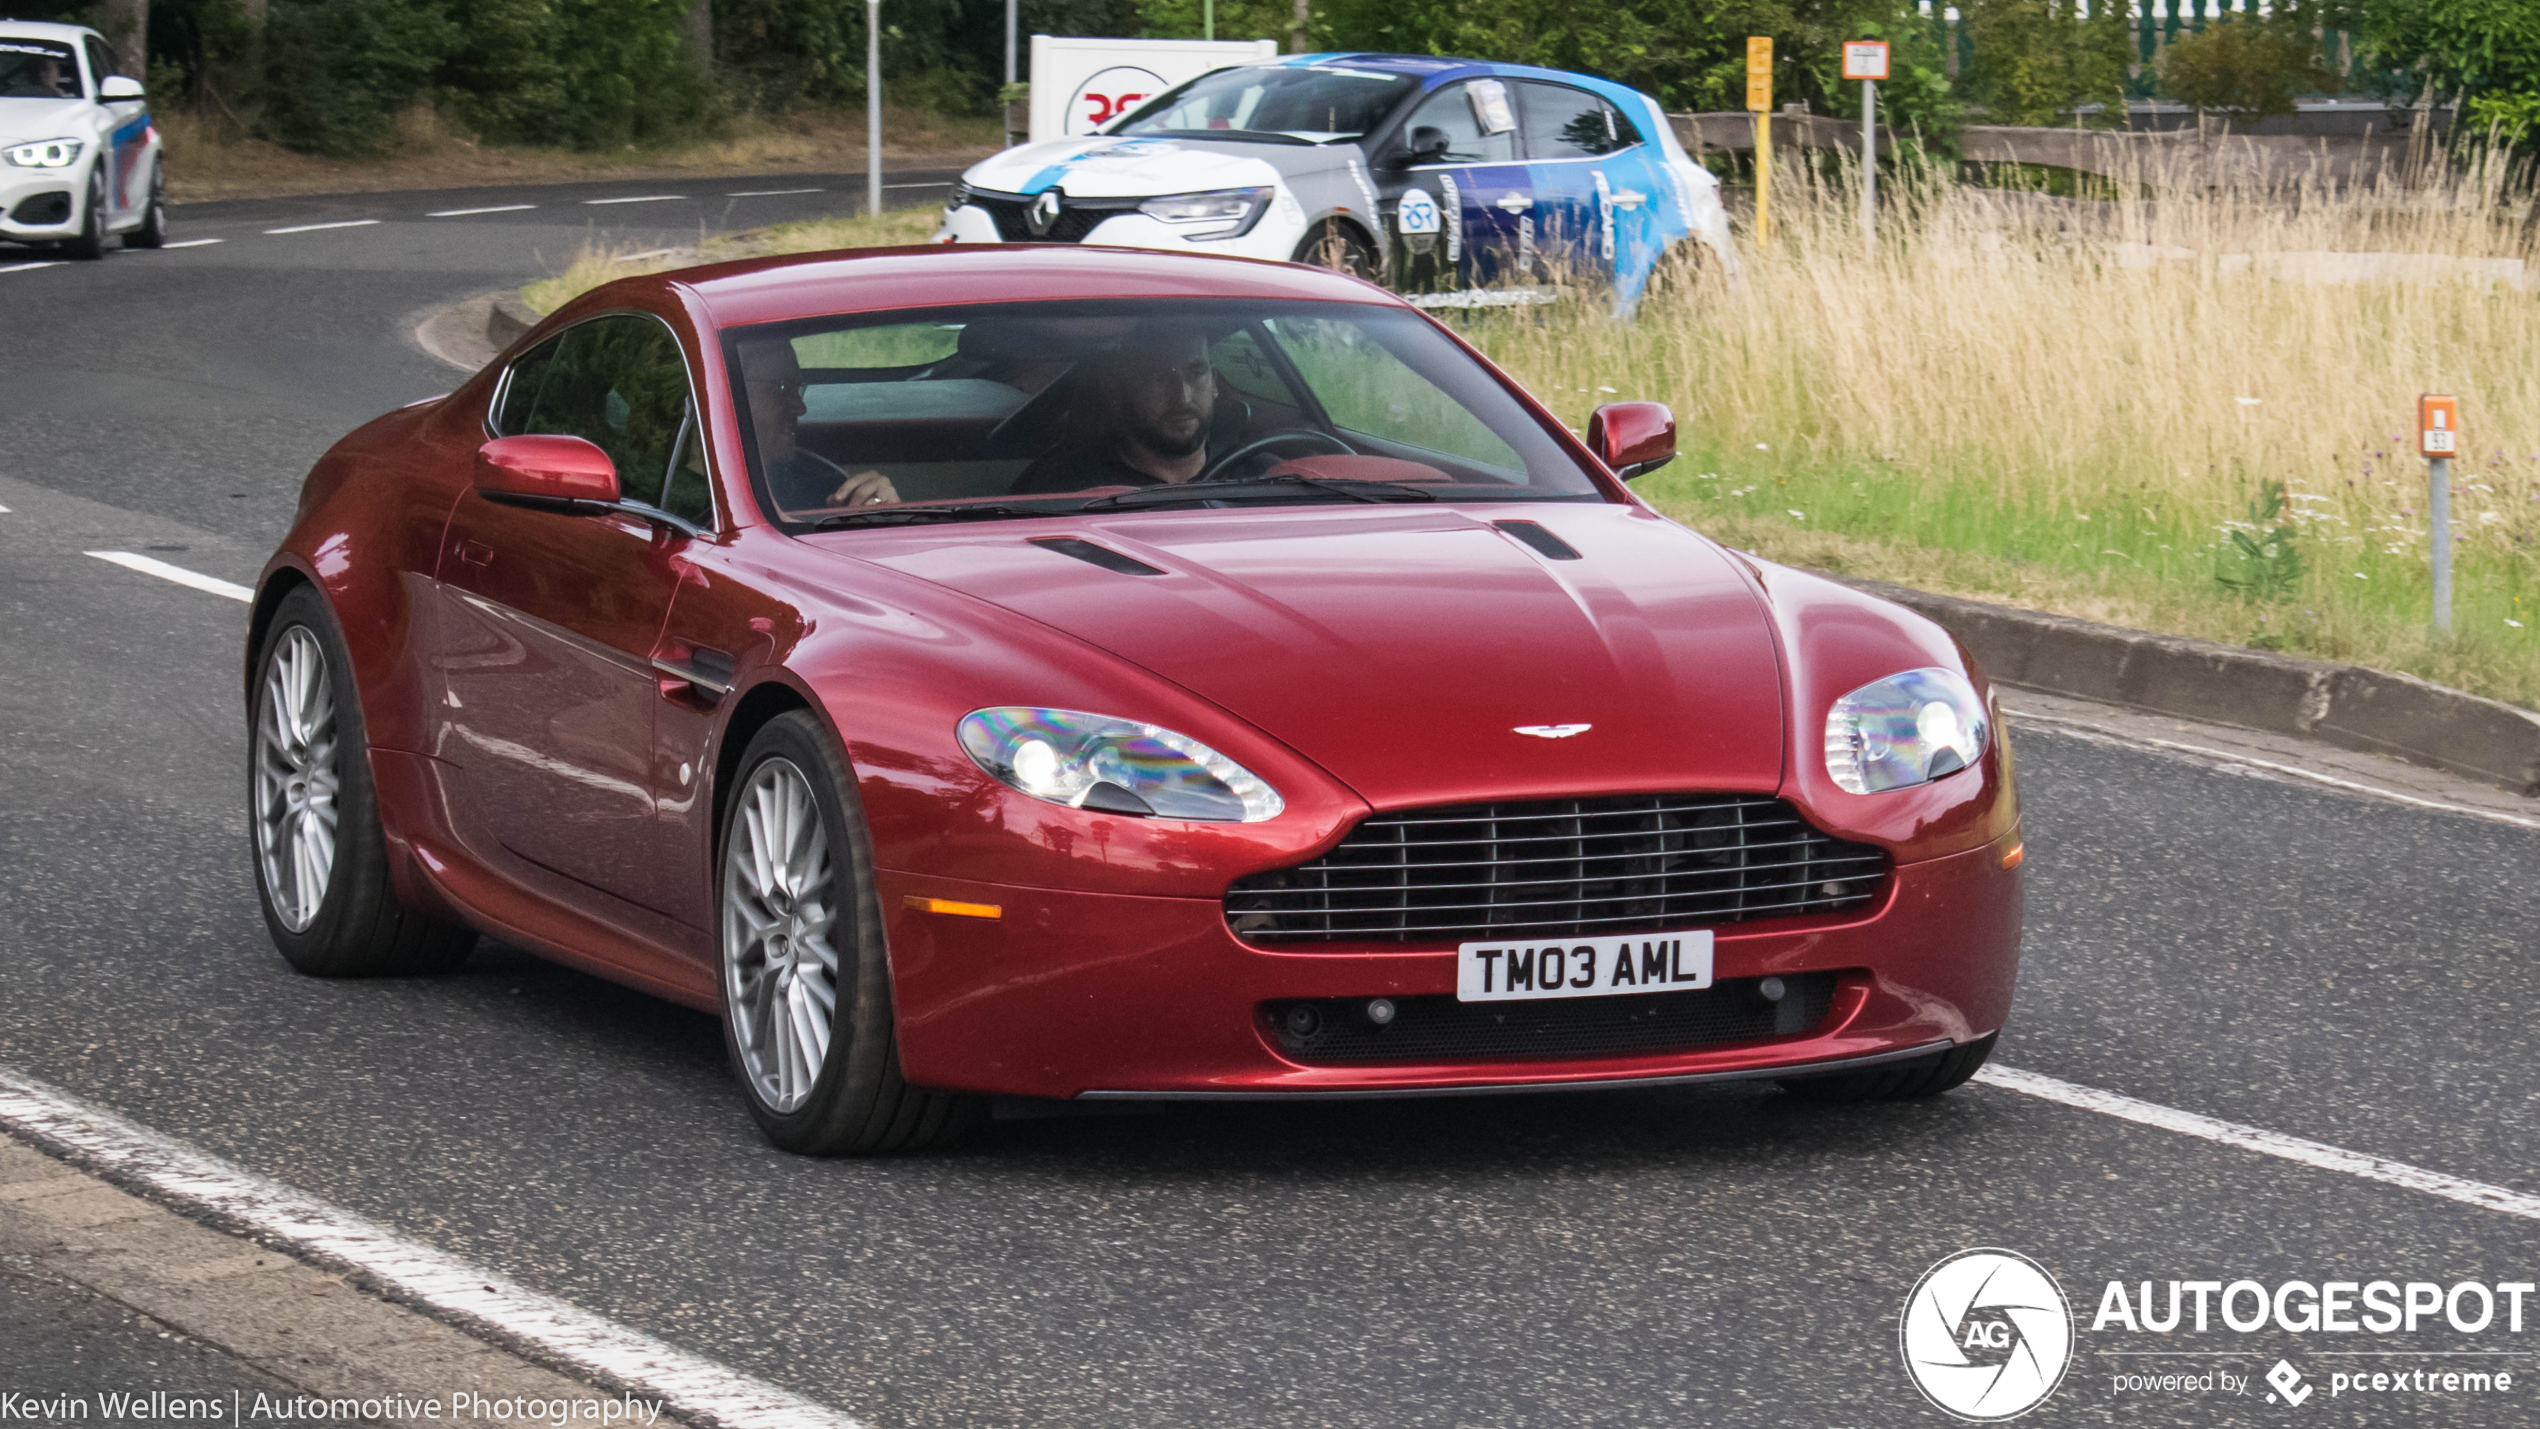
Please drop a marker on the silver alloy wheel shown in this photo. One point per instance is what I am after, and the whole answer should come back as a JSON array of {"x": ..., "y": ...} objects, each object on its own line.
[
  {"x": 780, "y": 965},
  {"x": 296, "y": 779}
]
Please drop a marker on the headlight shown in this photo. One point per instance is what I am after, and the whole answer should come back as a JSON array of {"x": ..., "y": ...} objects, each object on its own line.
[
  {"x": 1905, "y": 730},
  {"x": 1226, "y": 213},
  {"x": 46, "y": 154},
  {"x": 1091, "y": 761}
]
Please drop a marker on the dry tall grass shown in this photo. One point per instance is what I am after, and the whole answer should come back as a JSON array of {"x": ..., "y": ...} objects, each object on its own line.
[{"x": 2067, "y": 403}]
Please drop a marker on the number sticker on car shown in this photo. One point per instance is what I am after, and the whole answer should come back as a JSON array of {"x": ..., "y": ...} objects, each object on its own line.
[{"x": 1514, "y": 970}]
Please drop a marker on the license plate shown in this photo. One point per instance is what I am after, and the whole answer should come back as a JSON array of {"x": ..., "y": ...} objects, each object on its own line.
[{"x": 1509, "y": 970}]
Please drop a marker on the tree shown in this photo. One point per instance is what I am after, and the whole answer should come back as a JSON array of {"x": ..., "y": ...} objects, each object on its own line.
[
  {"x": 2038, "y": 61},
  {"x": 2457, "y": 48},
  {"x": 2247, "y": 69}
]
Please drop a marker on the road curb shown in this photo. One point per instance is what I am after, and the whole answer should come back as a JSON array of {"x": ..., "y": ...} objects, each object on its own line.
[
  {"x": 2372, "y": 711},
  {"x": 508, "y": 318}
]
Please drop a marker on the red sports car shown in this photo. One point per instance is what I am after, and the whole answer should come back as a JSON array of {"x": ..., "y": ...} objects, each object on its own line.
[{"x": 1068, "y": 673}]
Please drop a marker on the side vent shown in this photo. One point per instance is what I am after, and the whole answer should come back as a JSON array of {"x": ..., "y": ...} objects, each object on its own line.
[
  {"x": 1545, "y": 544},
  {"x": 1103, "y": 556}
]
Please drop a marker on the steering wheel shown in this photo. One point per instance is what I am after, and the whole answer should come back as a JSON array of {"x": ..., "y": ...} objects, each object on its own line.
[{"x": 1225, "y": 467}]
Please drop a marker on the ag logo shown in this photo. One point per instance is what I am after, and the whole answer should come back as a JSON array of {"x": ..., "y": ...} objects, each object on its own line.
[{"x": 1987, "y": 1334}]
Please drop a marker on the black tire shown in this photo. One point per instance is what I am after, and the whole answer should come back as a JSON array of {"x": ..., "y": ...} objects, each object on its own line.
[
  {"x": 1901, "y": 1081},
  {"x": 91, "y": 242},
  {"x": 1336, "y": 245},
  {"x": 153, "y": 232},
  {"x": 858, "y": 1104},
  {"x": 358, "y": 929}
]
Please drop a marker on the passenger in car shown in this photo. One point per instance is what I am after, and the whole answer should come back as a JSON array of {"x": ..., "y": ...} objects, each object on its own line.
[
  {"x": 1145, "y": 418},
  {"x": 799, "y": 480}
]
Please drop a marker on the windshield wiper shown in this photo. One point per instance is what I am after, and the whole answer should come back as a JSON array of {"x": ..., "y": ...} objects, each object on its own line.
[
  {"x": 919, "y": 515},
  {"x": 1256, "y": 488}
]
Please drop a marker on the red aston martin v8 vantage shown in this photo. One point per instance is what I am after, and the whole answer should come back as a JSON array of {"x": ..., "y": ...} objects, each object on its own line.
[{"x": 1069, "y": 673}]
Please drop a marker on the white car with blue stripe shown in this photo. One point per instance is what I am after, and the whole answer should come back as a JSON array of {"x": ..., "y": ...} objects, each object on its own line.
[
  {"x": 79, "y": 157},
  {"x": 1459, "y": 181}
]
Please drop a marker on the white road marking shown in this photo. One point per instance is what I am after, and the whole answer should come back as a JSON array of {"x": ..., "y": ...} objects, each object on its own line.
[
  {"x": 193, "y": 243},
  {"x": 23, "y": 267},
  {"x": 2265, "y": 1143},
  {"x": 692, "y": 1388},
  {"x": 4, "y": 510},
  {"x": 471, "y": 212},
  {"x": 640, "y": 198},
  {"x": 2103, "y": 733},
  {"x": 179, "y": 574},
  {"x": 647, "y": 253},
  {"x": 938, "y": 184},
  {"x": 320, "y": 227},
  {"x": 770, "y": 193}
]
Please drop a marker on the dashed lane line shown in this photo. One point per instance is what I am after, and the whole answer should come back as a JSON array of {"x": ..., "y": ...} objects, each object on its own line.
[
  {"x": 179, "y": 574},
  {"x": 23, "y": 267},
  {"x": 472, "y": 212},
  {"x": 2265, "y": 1143},
  {"x": 693, "y": 1388},
  {"x": 771, "y": 193},
  {"x": 2084, "y": 729},
  {"x": 639, "y": 198},
  {"x": 193, "y": 243},
  {"x": 938, "y": 184},
  {"x": 321, "y": 227}
]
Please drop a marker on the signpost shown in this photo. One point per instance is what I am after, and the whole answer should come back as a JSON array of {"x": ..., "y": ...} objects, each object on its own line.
[
  {"x": 1866, "y": 61},
  {"x": 2438, "y": 436},
  {"x": 1759, "y": 102}
]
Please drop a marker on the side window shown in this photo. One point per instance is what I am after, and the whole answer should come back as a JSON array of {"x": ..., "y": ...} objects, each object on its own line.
[
  {"x": 617, "y": 382},
  {"x": 1566, "y": 123},
  {"x": 1241, "y": 362},
  {"x": 520, "y": 394},
  {"x": 101, "y": 61},
  {"x": 1463, "y": 114}
]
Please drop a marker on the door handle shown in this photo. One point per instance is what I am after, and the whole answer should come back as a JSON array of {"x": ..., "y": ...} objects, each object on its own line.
[
  {"x": 1515, "y": 202},
  {"x": 476, "y": 553}
]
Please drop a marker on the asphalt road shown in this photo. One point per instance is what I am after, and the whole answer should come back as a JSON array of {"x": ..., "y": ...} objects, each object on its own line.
[{"x": 2292, "y": 957}]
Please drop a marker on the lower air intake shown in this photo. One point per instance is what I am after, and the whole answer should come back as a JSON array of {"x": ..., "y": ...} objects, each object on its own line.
[{"x": 1440, "y": 1029}]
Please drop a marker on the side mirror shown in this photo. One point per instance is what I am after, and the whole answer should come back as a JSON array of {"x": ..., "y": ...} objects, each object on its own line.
[
  {"x": 118, "y": 87},
  {"x": 1634, "y": 438},
  {"x": 547, "y": 472},
  {"x": 1428, "y": 146}
]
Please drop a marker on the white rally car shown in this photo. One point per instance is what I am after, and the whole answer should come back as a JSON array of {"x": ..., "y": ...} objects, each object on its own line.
[
  {"x": 79, "y": 157},
  {"x": 1458, "y": 181}
]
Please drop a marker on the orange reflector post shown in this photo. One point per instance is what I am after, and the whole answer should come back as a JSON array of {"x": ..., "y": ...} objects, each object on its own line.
[
  {"x": 2013, "y": 858},
  {"x": 957, "y": 910}
]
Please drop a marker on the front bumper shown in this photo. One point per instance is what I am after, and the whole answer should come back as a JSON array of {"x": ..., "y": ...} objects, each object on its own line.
[
  {"x": 26, "y": 191},
  {"x": 1275, "y": 237},
  {"x": 1098, "y": 995}
]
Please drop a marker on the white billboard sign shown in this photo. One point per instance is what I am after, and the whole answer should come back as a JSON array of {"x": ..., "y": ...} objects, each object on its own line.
[{"x": 1081, "y": 84}]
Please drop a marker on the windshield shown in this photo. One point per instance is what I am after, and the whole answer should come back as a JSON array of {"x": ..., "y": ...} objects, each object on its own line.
[
  {"x": 38, "y": 69},
  {"x": 1314, "y": 103},
  {"x": 1040, "y": 408}
]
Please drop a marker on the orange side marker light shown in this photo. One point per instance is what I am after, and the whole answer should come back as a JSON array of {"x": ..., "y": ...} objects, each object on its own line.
[
  {"x": 957, "y": 910},
  {"x": 2019, "y": 851}
]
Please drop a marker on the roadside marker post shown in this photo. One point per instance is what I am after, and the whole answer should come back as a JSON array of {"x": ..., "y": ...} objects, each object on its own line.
[
  {"x": 2438, "y": 436},
  {"x": 1866, "y": 61},
  {"x": 1759, "y": 102},
  {"x": 872, "y": 107}
]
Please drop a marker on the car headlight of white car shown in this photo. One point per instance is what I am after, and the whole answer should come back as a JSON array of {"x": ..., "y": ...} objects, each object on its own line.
[
  {"x": 1905, "y": 730},
  {"x": 1118, "y": 766},
  {"x": 46, "y": 153},
  {"x": 1220, "y": 213}
]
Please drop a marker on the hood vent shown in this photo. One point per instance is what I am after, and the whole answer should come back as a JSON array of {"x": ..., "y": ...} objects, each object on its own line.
[
  {"x": 1094, "y": 555},
  {"x": 1541, "y": 541}
]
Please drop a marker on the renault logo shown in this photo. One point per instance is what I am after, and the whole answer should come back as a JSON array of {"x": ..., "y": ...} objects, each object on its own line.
[{"x": 1043, "y": 214}]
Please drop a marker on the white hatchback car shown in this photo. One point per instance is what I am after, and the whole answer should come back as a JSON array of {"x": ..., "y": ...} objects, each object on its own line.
[{"x": 79, "y": 157}]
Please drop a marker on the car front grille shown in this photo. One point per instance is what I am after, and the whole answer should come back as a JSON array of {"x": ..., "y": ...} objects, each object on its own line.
[
  {"x": 1337, "y": 1031},
  {"x": 1076, "y": 216},
  {"x": 1559, "y": 868}
]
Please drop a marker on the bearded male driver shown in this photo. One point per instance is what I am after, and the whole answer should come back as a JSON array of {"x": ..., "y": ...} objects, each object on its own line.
[
  {"x": 800, "y": 480},
  {"x": 1145, "y": 422}
]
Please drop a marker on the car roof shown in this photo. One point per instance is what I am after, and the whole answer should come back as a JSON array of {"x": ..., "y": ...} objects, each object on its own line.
[
  {"x": 763, "y": 290},
  {"x": 44, "y": 30},
  {"x": 1440, "y": 69}
]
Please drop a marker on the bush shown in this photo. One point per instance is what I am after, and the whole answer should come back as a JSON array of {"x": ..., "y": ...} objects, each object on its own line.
[
  {"x": 2037, "y": 61},
  {"x": 340, "y": 70},
  {"x": 2247, "y": 69}
]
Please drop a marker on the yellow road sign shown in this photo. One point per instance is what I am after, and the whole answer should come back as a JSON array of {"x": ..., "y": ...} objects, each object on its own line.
[{"x": 1759, "y": 73}]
